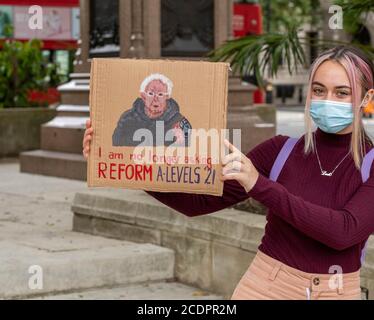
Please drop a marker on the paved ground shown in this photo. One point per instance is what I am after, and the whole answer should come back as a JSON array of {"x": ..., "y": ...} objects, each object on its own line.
[
  {"x": 35, "y": 230},
  {"x": 36, "y": 200}
]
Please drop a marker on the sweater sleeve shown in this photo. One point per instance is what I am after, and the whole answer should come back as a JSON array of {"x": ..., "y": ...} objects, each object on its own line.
[
  {"x": 338, "y": 229},
  {"x": 262, "y": 157}
]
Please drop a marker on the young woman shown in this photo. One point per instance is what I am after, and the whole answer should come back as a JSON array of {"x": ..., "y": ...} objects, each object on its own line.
[{"x": 320, "y": 212}]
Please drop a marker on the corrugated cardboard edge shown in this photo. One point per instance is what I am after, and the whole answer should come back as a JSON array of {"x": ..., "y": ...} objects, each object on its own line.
[
  {"x": 91, "y": 102},
  {"x": 225, "y": 110}
]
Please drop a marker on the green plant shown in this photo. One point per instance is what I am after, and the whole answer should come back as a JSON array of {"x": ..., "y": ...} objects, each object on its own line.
[
  {"x": 253, "y": 54},
  {"x": 284, "y": 13},
  {"x": 53, "y": 77},
  {"x": 23, "y": 69}
]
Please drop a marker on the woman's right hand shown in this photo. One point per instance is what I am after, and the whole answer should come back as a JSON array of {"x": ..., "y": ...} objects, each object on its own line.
[{"x": 87, "y": 138}]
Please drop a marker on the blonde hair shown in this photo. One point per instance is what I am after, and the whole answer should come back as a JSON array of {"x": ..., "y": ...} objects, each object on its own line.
[{"x": 360, "y": 73}]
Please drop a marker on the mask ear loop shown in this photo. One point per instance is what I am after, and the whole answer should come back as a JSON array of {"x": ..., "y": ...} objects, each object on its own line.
[{"x": 371, "y": 91}]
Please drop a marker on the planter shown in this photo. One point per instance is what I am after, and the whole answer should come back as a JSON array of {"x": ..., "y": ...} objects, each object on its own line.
[{"x": 20, "y": 128}]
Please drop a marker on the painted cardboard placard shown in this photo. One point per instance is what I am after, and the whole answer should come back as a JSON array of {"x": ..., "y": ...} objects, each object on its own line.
[{"x": 156, "y": 124}]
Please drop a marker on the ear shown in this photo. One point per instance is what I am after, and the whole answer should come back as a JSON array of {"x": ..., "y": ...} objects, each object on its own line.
[
  {"x": 368, "y": 97},
  {"x": 142, "y": 95}
]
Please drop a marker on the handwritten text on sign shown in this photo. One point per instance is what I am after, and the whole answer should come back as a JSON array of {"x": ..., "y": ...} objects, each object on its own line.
[{"x": 172, "y": 171}]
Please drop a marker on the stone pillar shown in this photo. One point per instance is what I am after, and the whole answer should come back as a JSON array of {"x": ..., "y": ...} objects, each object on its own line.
[
  {"x": 81, "y": 63},
  {"x": 125, "y": 20},
  {"x": 152, "y": 28},
  {"x": 137, "y": 49},
  {"x": 223, "y": 11}
]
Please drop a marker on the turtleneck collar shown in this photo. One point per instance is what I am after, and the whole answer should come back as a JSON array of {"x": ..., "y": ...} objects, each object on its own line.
[{"x": 332, "y": 139}]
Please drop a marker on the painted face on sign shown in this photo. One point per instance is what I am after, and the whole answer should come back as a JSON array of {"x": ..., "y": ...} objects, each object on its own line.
[{"x": 155, "y": 98}]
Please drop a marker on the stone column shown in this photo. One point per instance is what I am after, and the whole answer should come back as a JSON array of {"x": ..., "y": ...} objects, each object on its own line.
[
  {"x": 152, "y": 28},
  {"x": 222, "y": 21},
  {"x": 125, "y": 20},
  {"x": 137, "y": 49},
  {"x": 230, "y": 15},
  {"x": 81, "y": 63}
]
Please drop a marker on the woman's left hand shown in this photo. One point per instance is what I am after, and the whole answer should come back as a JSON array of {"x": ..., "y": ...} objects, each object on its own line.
[{"x": 236, "y": 166}]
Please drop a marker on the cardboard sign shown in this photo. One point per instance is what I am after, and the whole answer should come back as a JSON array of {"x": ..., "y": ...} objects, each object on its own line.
[{"x": 156, "y": 124}]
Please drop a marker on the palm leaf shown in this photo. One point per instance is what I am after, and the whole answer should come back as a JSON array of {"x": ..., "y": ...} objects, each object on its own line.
[{"x": 256, "y": 54}]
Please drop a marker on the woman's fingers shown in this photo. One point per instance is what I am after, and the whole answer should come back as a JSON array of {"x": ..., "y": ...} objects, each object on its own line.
[
  {"x": 88, "y": 131},
  {"x": 233, "y": 176},
  {"x": 86, "y": 152},
  {"x": 86, "y": 140},
  {"x": 88, "y": 123},
  {"x": 235, "y": 155},
  {"x": 231, "y": 147},
  {"x": 232, "y": 167},
  {"x": 232, "y": 157},
  {"x": 87, "y": 136}
]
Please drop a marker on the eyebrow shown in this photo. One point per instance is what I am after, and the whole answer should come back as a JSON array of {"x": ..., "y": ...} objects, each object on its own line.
[{"x": 338, "y": 87}]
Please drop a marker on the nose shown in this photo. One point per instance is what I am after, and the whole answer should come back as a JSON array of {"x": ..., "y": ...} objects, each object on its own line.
[
  {"x": 330, "y": 96},
  {"x": 155, "y": 98}
]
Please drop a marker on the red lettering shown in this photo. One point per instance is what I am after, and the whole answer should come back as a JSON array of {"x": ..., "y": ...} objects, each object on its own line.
[
  {"x": 148, "y": 170},
  {"x": 138, "y": 171},
  {"x": 121, "y": 169},
  {"x": 129, "y": 177},
  {"x": 102, "y": 170},
  {"x": 112, "y": 170}
]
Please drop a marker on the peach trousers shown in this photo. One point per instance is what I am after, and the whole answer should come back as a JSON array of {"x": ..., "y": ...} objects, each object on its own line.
[{"x": 269, "y": 279}]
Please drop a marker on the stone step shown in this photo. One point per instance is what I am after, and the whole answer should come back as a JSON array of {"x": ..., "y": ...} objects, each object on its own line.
[
  {"x": 63, "y": 134},
  {"x": 62, "y": 139},
  {"x": 75, "y": 92},
  {"x": 145, "y": 291},
  {"x": 69, "y": 261},
  {"x": 53, "y": 163},
  {"x": 70, "y": 110},
  {"x": 78, "y": 75}
]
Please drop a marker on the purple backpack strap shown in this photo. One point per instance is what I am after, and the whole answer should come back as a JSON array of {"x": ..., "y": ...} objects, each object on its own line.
[
  {"x": 366, "y": 165},
  {"x": 282, "y": 157},
  {"x": 365, "y": 174}
]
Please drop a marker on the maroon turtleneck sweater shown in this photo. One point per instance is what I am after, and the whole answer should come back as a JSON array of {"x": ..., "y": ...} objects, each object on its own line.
[{"x": 313, "y": 221}]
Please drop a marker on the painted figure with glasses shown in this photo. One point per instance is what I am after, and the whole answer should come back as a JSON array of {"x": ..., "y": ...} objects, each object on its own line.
[{"x": 154, "y": 113}]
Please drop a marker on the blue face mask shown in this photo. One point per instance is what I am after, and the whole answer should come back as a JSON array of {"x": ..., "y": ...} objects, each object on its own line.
[{"x": 331, "y": 116}]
